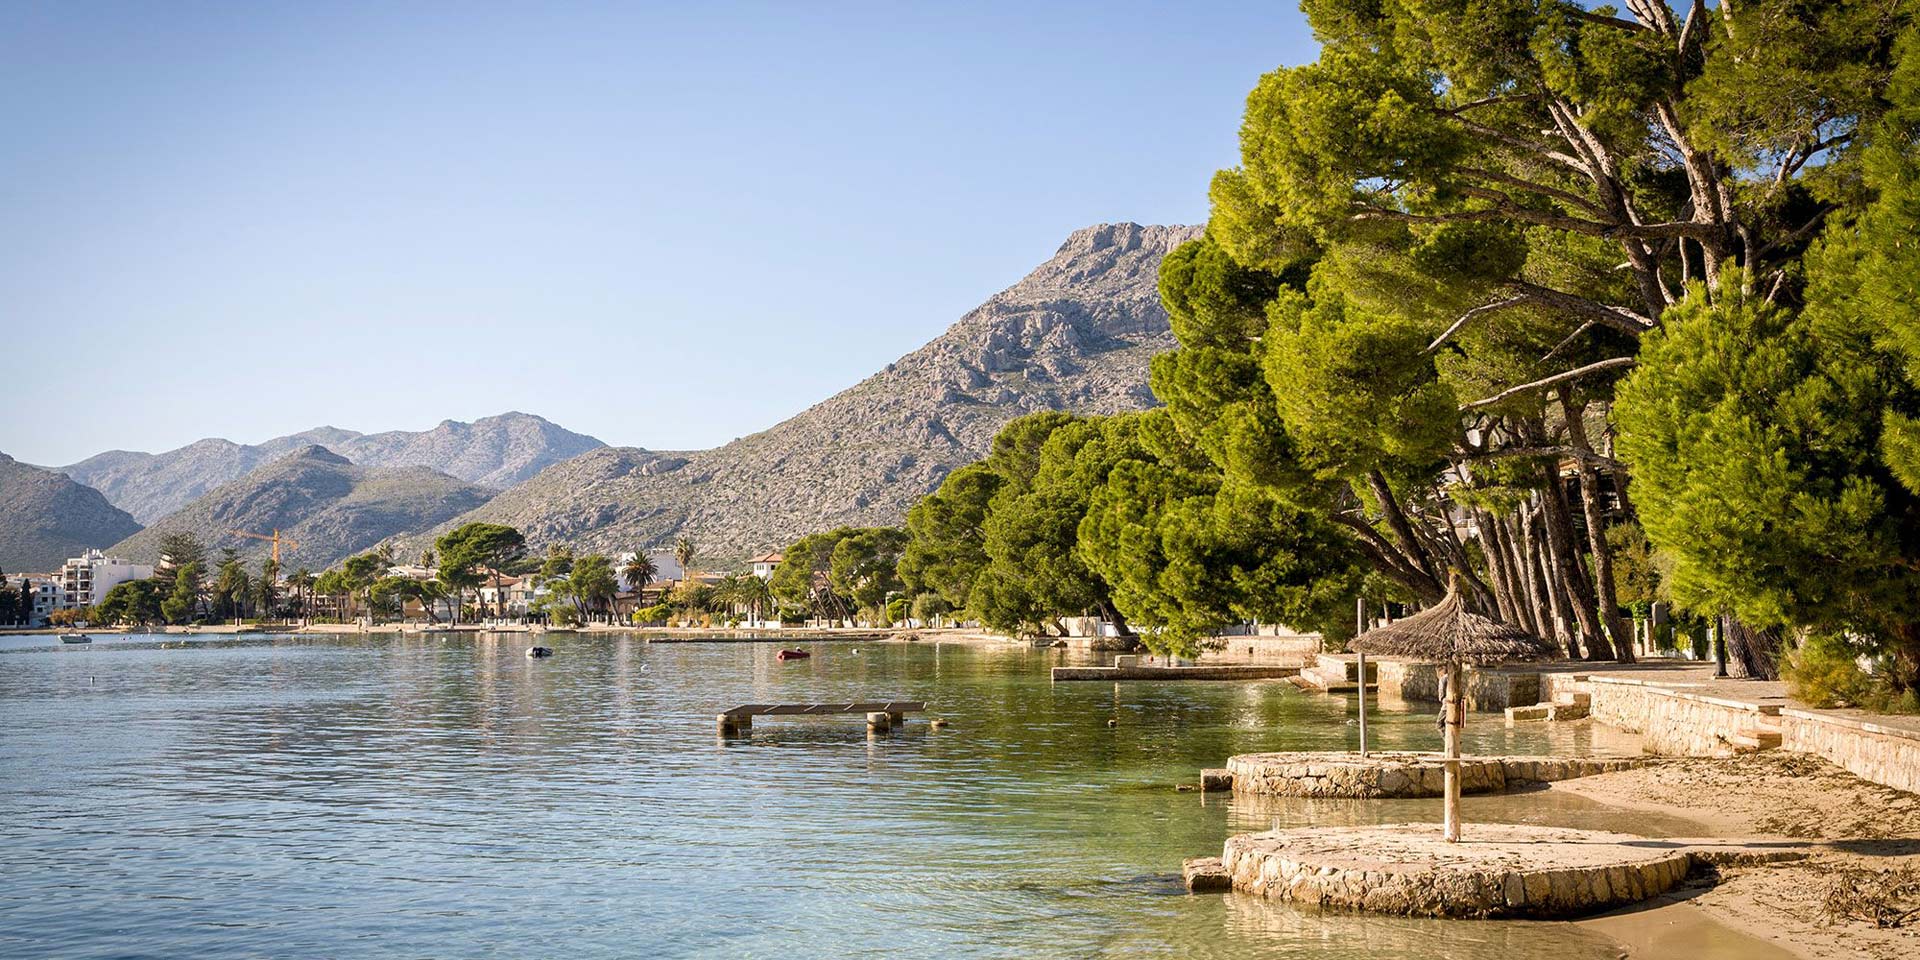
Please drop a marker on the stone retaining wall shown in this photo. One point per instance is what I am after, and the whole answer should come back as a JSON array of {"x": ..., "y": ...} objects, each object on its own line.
[
  {"x": 1679, "y": 724},
  {"x": 1144, "y": 672},
  {"x": 1883, "y": 754},
  {"x": 1490, "y": 690},
  {"x": 1403, "y": 775}
]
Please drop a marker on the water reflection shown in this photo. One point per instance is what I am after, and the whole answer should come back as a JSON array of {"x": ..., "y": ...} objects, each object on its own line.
[{"x": 448, "y": 796}]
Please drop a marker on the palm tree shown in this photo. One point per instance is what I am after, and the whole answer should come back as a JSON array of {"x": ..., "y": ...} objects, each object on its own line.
[
  {"x": 639, "y": 571},
  {"x": 302, "y": 583},
  {"x": 683, "y": 555},
  {"x": 266, "y": 589}
]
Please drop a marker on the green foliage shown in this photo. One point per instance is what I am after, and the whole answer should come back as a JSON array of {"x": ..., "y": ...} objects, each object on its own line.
[
  {"x": 183, "y": 601},
  {"x": 639, "y": 570},
  {"x": 684, "y": 552},
  {"x": 691, "y": 596},
  {"x": 134, "y": 602},
  {"x": 592, "y": 583},
  {"x": 946, "y": 548},
  {"x": 835, "y": 573},
  {"x": 928, "y": 607},
  {"x": 1186, "y": 554},
  {"x": 1754, "y": 435},
  {"x": 557, "y": 563},
  {"x": 1035, "y": 575},
  {"x": 658, "y": 613},
  {"x": 803, "y": 577},
  {"x": 1826, "y": 671},
  {"x": 1636, "y": 574},
  {"x": 180, "y": 549},
  {"x": 1355, "y": 389},
  {"x": 865, "y": 565}
]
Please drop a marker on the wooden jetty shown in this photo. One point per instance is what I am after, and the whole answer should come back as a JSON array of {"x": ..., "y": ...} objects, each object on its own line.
[{"x": 880, "y": 714}]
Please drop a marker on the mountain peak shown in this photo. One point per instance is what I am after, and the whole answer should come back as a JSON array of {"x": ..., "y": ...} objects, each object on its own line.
[
  {"x": 1075, "y": 334},
  {"x": 317, "y": 453}
]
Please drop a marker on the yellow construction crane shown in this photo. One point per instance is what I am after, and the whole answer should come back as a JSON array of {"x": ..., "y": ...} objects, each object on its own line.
[{"x": 276, "y": 540}]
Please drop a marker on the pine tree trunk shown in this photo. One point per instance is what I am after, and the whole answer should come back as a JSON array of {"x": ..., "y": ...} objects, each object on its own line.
[
  {"x": 1401, "y": 529},
  {"x": 1579, "y": 589},
  {"x": 1751, "y": 654},
  {"x": 1606, "y": 596},
  {"x": 1489, "y": 535},
  {"x": 1553, "y": 586},
  {"x": 1527, "y": 573}
]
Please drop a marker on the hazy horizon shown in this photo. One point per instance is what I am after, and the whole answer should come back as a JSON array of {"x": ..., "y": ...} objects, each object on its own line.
[{"x": 663, "y": 227}]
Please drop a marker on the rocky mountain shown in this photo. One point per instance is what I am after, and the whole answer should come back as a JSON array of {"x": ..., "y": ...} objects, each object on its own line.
[
  {"x": 46, "y": 517},
  {"x": 495, "y": 452},
  {"x": 1075, "y": 334},
  {"x": 330, "y": 505}
]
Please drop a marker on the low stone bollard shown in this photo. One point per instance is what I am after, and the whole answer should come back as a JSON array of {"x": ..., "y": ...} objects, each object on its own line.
[
  {"x": 1216, "y": 780},
  {"x": 879, "y": 722}
]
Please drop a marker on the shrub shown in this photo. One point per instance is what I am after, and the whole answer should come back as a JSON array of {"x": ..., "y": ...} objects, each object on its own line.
[{"x": 1832, "y": 670}]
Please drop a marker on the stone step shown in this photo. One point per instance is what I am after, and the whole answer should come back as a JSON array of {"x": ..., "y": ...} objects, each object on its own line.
[
  {"x": 1555, "y": 711},
  {"x": 1216, "y": 780},
  {"x": 1567, "y": 711},
  {"x": 1754, "y": 741},
  {"x": 1333, "y": 679},
  {"x": 1206, "y": 875}
]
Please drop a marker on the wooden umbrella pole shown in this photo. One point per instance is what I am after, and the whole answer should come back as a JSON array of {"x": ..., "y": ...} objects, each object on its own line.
[{"x": 1452, "y": 730}]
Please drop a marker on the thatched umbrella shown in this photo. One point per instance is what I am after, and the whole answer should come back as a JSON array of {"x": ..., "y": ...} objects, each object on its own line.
[{"x": 1449, "y": 633}]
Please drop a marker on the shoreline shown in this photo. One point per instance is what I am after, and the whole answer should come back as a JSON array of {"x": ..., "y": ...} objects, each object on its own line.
[{"x": 1844, "y": 821}]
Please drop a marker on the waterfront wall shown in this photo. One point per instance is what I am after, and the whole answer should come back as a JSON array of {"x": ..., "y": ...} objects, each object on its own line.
[
  {"x": 1294, "y": 648},
  {"x": 1491, "y": 690},
  {"x": 1884, "y": 754},
  {"x": 1132, "y": 670},
  {"x": 1671, "y": 722}
]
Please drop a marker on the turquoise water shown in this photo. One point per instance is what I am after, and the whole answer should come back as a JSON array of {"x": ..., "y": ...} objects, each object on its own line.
[{"x": 429, "y": 797}]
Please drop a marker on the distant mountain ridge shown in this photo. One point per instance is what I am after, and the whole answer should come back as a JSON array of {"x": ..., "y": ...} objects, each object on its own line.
[
  {"x": 495, "y": 452},
  {"x": 46, "y": 517},
  {"x": 330, "y": 505},
  {"x": 1075, "y": 334}
]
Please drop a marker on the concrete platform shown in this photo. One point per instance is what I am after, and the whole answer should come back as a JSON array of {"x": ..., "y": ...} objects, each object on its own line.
[
  {"x": 1496, "y": 870},
  {"x": 1404, "y": 775}
]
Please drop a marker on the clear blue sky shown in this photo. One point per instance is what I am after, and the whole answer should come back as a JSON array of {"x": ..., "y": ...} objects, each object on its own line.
[{"x": 665, "y": 225}]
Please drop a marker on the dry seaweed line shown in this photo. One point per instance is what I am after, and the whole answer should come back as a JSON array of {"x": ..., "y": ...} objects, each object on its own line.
[{"x": 1884, "y": 898}]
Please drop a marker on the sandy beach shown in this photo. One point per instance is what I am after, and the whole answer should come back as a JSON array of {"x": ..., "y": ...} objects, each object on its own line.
[{"x": 1846, "y": 824}]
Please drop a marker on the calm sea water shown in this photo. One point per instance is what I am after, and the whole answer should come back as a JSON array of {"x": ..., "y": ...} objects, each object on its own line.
[{"x": 426, "y": 797}]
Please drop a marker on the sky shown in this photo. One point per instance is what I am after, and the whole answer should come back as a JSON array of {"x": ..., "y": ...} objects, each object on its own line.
[{"x": 663, "y": 225}]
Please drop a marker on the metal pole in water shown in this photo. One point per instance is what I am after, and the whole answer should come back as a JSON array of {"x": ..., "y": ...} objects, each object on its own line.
[
  {"x": 1363, "y": 706},
  {"x": 1360, "y": 626}
]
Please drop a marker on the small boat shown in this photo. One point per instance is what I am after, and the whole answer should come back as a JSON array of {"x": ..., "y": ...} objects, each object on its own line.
[
  {"x": 537, "y": 652},
  {"x": 792, "y": 655},
  {"x": 75, "y": 638}
]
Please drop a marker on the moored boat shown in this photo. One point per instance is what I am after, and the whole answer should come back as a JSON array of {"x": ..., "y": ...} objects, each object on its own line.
[
  {"x": 75, "y": 638},
  {"x": 792, "y": 655}
]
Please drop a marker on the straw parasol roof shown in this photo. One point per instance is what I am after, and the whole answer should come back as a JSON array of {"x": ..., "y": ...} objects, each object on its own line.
[
  {"x": 1448, "y": 632},
  {"x": 1451, "y": 634}
]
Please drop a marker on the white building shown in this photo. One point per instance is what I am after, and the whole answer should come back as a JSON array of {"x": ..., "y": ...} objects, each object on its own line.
[
  {"x": 45, "y": 589},
  {"x": 85, "y": 579},
  {"x": 665, "y": 568},
  {"x": 764, "y": 564}
]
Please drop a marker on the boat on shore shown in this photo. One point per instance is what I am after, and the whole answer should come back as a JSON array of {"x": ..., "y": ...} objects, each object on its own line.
[{"x": 75, "y": 638}]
